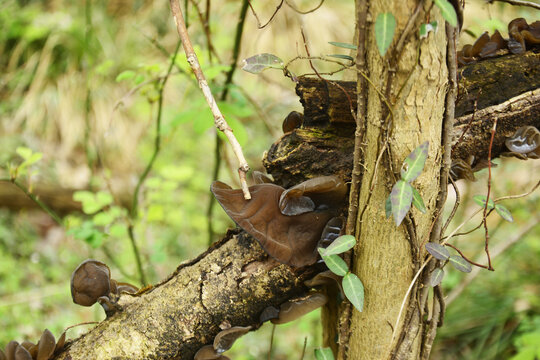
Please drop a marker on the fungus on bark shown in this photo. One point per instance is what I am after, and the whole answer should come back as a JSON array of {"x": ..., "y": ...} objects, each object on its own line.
[
  {"x": 293, "y": 309},
  {"x": 208, "y": 352},
  {"x": 524, "y": 143},
  {"x": 90, "y": 280},
  {"x": 290, "y": 239},
  {"x": 225, "y": 339},
  {"x": 293, "y": 121}
]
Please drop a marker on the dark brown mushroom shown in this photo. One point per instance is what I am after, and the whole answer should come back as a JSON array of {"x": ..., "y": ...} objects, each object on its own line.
[
  {"x": 291, "y": 240},
  {"x": 46, "y": 345},
  {"x": 269, "y": 313},
  {"x": 293, "y": 121},
  {"x": 225, "y": 339},
  {"x": 22, "y": 354},
  {"x": 292, "y": 310},
  {"x": 207, "y": 352},
  {"x": 332, "y": 230},
  {"x": 324, "y": 278},
  {"x": 261, "y": 178},
  {"x": 11, "y": 347},
  {"x": 123, "y": 287},
  {"x": 31, "y": 347},
  {"x": 319, "y": 193},
  {"x": 2, "y": 355},
  {"x": 90, "y": 280},
  {"x": 60, "y": 343}
]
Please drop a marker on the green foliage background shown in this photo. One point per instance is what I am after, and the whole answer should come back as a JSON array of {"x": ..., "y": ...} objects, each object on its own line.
[{"x": 79, "y": 83}]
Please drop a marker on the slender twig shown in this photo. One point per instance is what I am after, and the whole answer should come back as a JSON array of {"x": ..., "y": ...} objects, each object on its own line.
[
  {"x": 271, "y": 17},
  {"x": 304, "y": 349},
  {"x": 219, "y": 120},
  {"x": 486, "y": 247},
  {"x": 469, "y": 124},
  {"x": 204, "y": 19},
  {"x": 454, "y": 208},
  {"x": 496, "y": 251},
  {"x": 88, "y": 98},
  {"x": 519, "y": 3},
  {"x": 469, "y": 260},
  {"x": 295, "y": 9},
  {"x": 271, "y": 342},
  {"x": 223, "y": 96},
  {"x": 35, "y": 199}
]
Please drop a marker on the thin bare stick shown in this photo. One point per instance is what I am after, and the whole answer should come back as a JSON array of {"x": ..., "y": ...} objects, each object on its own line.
[
  {"x": 519, "y": 3},
  {"x": 295, "y": 9},
  {"x": 271, "y": 17},
  {"x": 496, "y": 251},
  {"x": 469, "y": 260},
  {"x": 219, "y": 119},
  {"x": 486, "y": 248}
]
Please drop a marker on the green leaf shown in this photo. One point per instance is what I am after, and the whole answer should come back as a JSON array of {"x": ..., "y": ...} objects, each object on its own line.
[
  {"x": 504, "y": 213},
  {"x": 354, "y": 290},
  {"x": 460, "y": 263},
  {"x": 417, "y": 201},
  {"x": 414, "y": 163},
  {"x": 448, "y": 12},
  {"x": 388, "y": 207},
  {"x": 125, "y": 75},
  {"x": 385, "y": 25},
  {"x": 343, "y": 45},
  {"x": 437, "y": 251},
  {"x": 257, "y": 63},
  {"x": 401, "y": 197},
  {"x": 436, "y": 277},
  {"x": 24, "y": 152},
  {"x": 481, "y": 200},
  {"x": 340, "y": 245},
  {"x": 324, "y": 354},
  {"x": 336, "y": 264},
  {"x": 342, "y": 56},
  {"x": 34, "y": 158},
  {"x": 425, "y": 29}
]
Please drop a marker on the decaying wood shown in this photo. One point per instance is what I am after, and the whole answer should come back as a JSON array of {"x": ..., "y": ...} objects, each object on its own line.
[
  {"x": 325, "y": 144},
  {"x": 232, "y": 282}
]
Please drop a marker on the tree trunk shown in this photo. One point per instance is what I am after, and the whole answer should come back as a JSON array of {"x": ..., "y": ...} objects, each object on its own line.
[{"x": 386, "y": 257}]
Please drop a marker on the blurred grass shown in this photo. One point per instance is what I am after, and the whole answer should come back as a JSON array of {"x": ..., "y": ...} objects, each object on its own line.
[{"x": 57, "y": 57}]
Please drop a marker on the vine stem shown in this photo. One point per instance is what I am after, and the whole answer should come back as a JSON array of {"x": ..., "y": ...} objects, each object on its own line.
[
  {"x": 486, "y": 248},
  {"x": 219, "y": 119}
]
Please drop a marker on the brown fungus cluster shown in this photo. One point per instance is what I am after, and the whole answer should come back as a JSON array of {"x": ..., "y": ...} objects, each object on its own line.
[
  {"x": 45, "y": 349},
  {"x": 522, "y": 37},
  {"x": 91, "y": 282},
  {"x": 524, "y": 143},
  {"x": 223, "y": 341},
  {"x": 287, "y": 223}
]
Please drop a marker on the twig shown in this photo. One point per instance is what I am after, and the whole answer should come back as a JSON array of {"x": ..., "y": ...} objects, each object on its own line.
[
  {"x": 271, "y": 342},
  {"x": 204, "y": 19},
  {"x": 295, "y": 9},
  {"x": 519, "y": 3},
  {"x": 496, "y": 251},
  {"x": 486, "y": 248},
  {"x": 271, "y": 17},
  {"x": 219, "y": 120},
  {"x": 469, "y": 260},
  {"x": 304, "y": 349},
  {"x": 223, "y": 96},
  {"x": 35, "y": 199}
]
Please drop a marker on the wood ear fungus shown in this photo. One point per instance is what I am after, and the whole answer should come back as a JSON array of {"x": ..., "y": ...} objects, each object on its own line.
[
  {"x": 522, "y": 36},
  {"x": 90, "y": 280},
  {"x": 524, "y": 143},
  {"x": 292, "y": 310},
  {"x": 207, "y": 352},
  {"x": 43, "y": 350},
  {"x": 290, "y": 239},
  {"x": 225, "y": 339},
  {"x": 293, "y": 121},
  {"x": 261, "y": 178}
]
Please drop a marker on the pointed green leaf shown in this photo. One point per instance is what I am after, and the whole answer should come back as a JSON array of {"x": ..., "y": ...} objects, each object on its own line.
[
  {"x": 401, "y": 197},
  {"x": 460, "y": 263},
  {"x": 24, "y": 152},
  {"x": 354, "y": 290},
  {"x": 481, "y": 200},
  {"x": 324, "y": 354},
  {"x": 125, "y": 75},
  {"x": 417, "y": 201},
  {"x": 336, "y": 264},
  {"x": 447, "y": 10},
  {"x": 414, "y": 163},
  {"x": 504, "y": 213},
  {"x": 257, "y": 63},
  {"x": 385, "y": 25},
  {"x": 388, "y": 206},
  {"x": 343, "y": 45},
  {"x": 340, "y": 245},
  {"x": 436, "y": 277},
  {"x": 341, "y": 56},
  {"x": 437, "y": 251}
]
